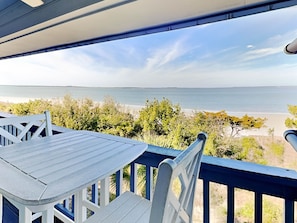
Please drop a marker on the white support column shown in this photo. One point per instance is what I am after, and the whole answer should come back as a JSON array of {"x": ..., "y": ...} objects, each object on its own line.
[
  {"x": 80, "y": 212},
  {"x": 104, "y": 192}
]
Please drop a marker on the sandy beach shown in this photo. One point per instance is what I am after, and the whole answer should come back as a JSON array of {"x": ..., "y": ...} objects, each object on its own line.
[
  {"x": 275, "y": 121},
  {"x": 16, "y": 100}
]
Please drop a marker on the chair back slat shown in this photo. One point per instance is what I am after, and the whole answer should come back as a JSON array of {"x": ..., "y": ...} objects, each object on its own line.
[
  {"x": 173, "y": 206},
  {"x": 18, "y": 129}
]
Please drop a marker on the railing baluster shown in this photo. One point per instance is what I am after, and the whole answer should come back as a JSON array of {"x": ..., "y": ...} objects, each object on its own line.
[
  {"x": 230, "y": 204},
  {"x": 119, "y": 182},
  {"x": 149, "y": 182},
  {"x": 206, "y": 203},
  {"x": 133, "y": 177},
  {"x": 289, "y": 211},
  {"x": 258, "y": 207}
]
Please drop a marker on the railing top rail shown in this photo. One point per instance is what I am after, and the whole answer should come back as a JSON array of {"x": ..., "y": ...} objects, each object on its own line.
[
  {"x": 250, "y": 167},
  {"x": 238, "y": 165},
  {"x": 262, "y": 179}
]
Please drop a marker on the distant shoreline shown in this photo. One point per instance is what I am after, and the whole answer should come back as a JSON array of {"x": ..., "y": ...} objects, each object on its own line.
[
  {"x": 238, "y": 99},
  {"x": 78, "y": 86},
  {"x": 135, "y": 107}
]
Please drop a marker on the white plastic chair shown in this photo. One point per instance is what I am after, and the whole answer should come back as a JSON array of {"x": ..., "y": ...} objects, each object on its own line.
[
  {"x": 17, "y": 129},
  {"x": 167, "y": 206}
]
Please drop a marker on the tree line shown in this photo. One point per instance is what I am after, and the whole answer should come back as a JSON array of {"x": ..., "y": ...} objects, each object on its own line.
[{"x": 159, "y": 122}]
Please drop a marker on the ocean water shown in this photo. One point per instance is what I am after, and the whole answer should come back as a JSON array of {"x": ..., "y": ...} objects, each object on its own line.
[{"x": 239, "y": 99}]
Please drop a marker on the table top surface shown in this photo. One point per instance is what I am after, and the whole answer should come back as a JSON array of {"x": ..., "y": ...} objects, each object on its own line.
[{"x": 49, "y": 169}]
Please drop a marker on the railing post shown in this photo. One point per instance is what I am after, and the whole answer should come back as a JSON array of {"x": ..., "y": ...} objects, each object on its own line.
[
  {"x": 230, "y": 204},
  {"x": 206, "y": 201},
  {"x": 258, "y": 207},
  {"x": 289, "y": 211}
]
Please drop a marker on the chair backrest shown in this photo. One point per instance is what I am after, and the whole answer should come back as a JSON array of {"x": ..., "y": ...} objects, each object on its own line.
[
  {"x": 173, "y": 206},
  {"x": 19, "y": 128}
]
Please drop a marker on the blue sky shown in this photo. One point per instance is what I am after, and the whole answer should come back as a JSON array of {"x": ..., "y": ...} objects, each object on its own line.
[{"x": 247, "y": 51}]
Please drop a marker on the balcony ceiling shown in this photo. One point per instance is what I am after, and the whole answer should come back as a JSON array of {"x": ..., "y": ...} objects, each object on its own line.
[{"x": 34, "y": 26}]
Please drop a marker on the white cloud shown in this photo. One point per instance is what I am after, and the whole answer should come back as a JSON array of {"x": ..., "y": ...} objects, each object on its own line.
[
  {"x": 259, "y": 53},
  {"x": 166, "y": 54},
  {"x": 268, "y": 47}
]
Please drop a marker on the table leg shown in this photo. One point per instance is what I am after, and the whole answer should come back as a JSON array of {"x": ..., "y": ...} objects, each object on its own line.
[
  {"x": 25, "y": 215},
  {"x": 104, "y": 191},
  {"x": 48, "y": 216},
  {"x": 80, "y": 211}
]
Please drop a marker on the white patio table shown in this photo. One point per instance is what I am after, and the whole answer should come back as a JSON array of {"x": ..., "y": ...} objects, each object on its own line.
[{"x": 37, "y": 174}]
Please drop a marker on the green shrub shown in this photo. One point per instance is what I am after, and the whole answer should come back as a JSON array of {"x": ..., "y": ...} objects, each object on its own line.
[
  {"x": 277, "y": 149},
  {"x": 271, "y": 212}
]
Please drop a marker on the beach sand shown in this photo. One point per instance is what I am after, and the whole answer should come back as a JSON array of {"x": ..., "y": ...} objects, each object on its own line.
[
  {"x": 15, "y": 100},
  {"x": 275, "y": 122}
]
